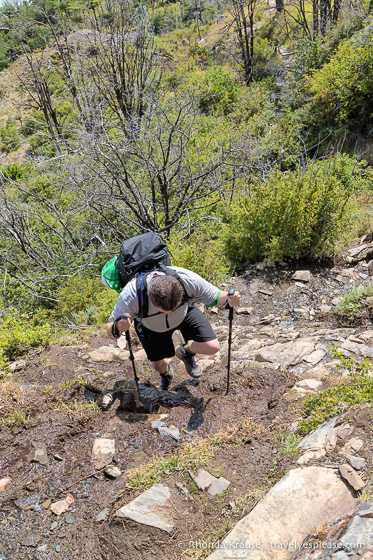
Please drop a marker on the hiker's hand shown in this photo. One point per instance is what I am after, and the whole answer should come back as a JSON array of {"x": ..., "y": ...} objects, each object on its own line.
[
  {"x": 234, "y": 299},
  {"x": 124, "y": 324}
]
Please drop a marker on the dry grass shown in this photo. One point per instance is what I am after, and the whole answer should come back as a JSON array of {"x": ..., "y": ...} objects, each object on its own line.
[{"x": 14, "y": 401}]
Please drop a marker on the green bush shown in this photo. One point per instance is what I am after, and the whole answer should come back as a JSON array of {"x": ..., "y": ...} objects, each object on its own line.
[
  {"x": 342, "y": 89},
  {"x": 20, "y": 332},
  {"x": 291, "y": 215},
  {"x": 10, "y": 136},
  {"x": 349, "y": 307}
]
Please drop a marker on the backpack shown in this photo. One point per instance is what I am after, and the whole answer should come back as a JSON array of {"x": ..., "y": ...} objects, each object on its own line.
[{"x": 137, "y": 257}]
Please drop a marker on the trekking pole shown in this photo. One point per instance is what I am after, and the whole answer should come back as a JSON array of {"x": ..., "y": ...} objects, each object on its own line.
[
  {"x": 128, "y": 338},
  {"x": 231, "y": 292}
]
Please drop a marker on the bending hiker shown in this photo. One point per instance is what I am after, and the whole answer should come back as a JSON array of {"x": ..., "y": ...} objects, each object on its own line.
[{"x": 171, "y": 293}]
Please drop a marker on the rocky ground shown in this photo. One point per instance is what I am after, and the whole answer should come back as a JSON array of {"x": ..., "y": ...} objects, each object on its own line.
[{"x": 77, "y": 481}]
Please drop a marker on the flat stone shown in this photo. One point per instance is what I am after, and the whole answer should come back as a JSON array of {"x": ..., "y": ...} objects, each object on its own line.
[
  {"x": 203, "y": 479},
  {"x": 31, "y": 541},
  {"x": 62, "y": 505},
  {"x": 318, "y": 439},
  {"x": 302, "y": 275},
  {"x": 356, "y": 250},
  {"x": 245, "y": 310},
  {"x": 113, "y": 471},
  {"x": 311, "y": 456},
  {"x": 4, "y": 482},
  {"x": 336, "y": 300},
  {"x": 108, "y": 354},
  {"x": 309, "y": 384},
  {"x": 103, "y": 451},
  {"x": 359, "y": 534},
  {"x": 344, "y": 431},
  {"x": 122, "y": 342},
  {"x": 70, "y": 518},
  {"x": 150, "y": 508},
  {"x": 349, "y": 474},
  {"x": 352, "y": 446},
  {"x": 29, "y": 502},
  {"x": 357, "y": 463},
  {"x": 218, "y": 486},
  {"x": 267, "y": 319},
  {"x": 304, "y": 499},
  {"x": 170, "y": 433},
  {"x": 288, "y": 353},
  {"x": 324, "y": 309},
  {"x": 103, "y": 515},
  {"x": 315, "y": 357},
  {"x": 367, "y": 335},
  {"x": 157, "y": 424},
  {"x": 17, "y": 365},
  {"x": 318, "y": 372},
  {"x": 266, "y": 292},
  {"x": 38, "y": 453},
  {"x": 105, "y": 402}
]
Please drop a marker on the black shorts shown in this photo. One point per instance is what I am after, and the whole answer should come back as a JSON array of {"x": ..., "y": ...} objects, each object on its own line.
[{"x": 159, "y": 345}]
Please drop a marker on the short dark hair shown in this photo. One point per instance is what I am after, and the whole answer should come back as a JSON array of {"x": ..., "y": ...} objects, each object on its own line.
[{"x": 165, "y": 292}]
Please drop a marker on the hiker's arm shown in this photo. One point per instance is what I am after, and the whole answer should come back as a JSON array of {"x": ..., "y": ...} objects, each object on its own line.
[
  {"x": 233, "y": 300},
  {"x": 123, "y": 325}
]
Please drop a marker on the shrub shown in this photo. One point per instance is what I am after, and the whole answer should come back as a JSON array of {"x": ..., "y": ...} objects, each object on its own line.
[
  {"x": 291, "y": 215},
  {"x": 20, "y": 332},
  {"x": 10, "y": 136},
  {"x": 342, "y": 88},
  {"x": 350, "y": 306}
]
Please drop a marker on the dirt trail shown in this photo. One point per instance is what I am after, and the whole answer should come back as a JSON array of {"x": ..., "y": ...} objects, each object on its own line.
[{"x": 57, "y": 390}]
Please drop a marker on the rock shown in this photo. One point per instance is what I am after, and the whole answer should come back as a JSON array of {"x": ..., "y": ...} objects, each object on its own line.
[
  {"x": 317, "y": 492},
  {"x": 357, "y": 463},
  {"x": 321, "y": 437},
  {"x": 57, "y": 457},
  {"x": 261, "y": 266},
  {"x": 245, "y": 310},
  {"x": 348, "y": 273},
  {"x": 17, "y": 365},
  {"x": 105, "y": 402},
  {"x": 103, "y": 451},
  {"x": 336, "y": 300},
  {"x": 42, "y": 548},
  {"x": 325, "y": 309},
  {"x": 31, "y": 541},
  {"x": 113, "y": 471},
  {"x": 315, "y": 357},
  {"x": 266, "y": 292},
  {"x": 214, "y": 310},
  {"x": 288, "y": 353},
  {"x": 369, "y": 301},
  {"x": 349, "y": 474},
  {"x": 4, "y": 482},
  {"x": 353, "y": 445},
  {"x": 108, "y": 354},
  {"x": 218, "y": 486},
  {"x": 170, "y": 433},
  {"x": 103, "y": 515},
  {"x": 359, "y": 533},
  {"x": 318, "y": 372},
  {"x": 30, "y": 502},
  {"x": 309, "y": 384},
  {"x": 267, "y": 320},
  {"x": 370, "y": 268},
  {"x": 356, "y": 250},
  {"x": 344, "y": 431},
  {"x": 302, "y": 275},
  {"x": 62, "y": 505},
  {"x": 203, "y": 479},
  {"x": 38, "y": 453},
  {"x": 311, "y": 456},
  {"x": 367, "y": 335},
  {"x": 53, "y": 525},
  {"x": 122, "y": 342},
  {"x": 58, "y": 548},
  {"x": 151, "y": 508},
  {"x": 157, "y": 424}
]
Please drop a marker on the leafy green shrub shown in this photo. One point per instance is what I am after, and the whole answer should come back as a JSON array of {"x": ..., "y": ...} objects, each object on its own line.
[
  {"x": 294, "y": 215},
  {"x": 336, "y": 400},
  {"x": 342, "y": 88},
  {"x": 217, "y": 90},
  {"x": 200, "y": 254},
  {"x": 20, "y": 332}
]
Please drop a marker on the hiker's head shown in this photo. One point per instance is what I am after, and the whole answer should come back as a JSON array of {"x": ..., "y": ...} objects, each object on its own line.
[{"x": 165, "y": 293}]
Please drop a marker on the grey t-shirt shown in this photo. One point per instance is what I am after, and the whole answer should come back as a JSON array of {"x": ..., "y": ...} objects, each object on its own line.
[{"x": 198, "y": 289}]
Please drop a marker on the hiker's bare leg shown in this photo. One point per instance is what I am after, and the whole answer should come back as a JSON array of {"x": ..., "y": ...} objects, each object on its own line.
[
  {"x": 161, "y": 366},
  {"x": 209, "y": 348}
]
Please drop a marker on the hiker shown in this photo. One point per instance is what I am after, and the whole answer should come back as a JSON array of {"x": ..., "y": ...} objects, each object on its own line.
[{"x": 171, "y": 300}]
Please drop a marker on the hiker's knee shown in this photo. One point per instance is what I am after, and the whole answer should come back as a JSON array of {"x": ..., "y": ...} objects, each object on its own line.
[
  {"x": 160, "y": 365},
  {"x": 210, "y": 347}
]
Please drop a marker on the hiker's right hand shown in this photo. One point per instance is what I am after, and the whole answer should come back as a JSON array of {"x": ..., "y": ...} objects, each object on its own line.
[{"x": 124, "y": 324}]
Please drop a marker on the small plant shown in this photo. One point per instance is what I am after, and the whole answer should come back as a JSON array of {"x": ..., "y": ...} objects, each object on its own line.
[
  {"x": 350, "y": 306},
  {"x": 318, "y": 408},
  {"x": 287, "y": 442},
  {"x": 17, "y": 418}
]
